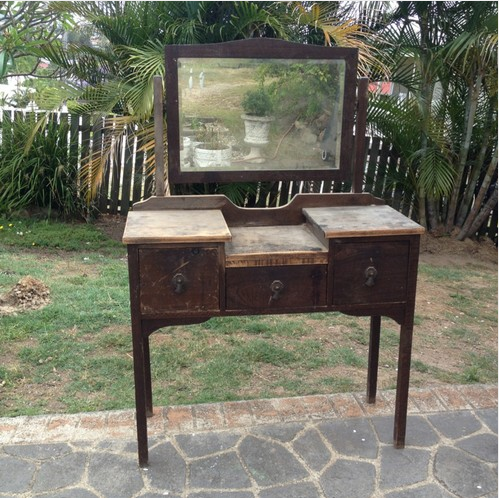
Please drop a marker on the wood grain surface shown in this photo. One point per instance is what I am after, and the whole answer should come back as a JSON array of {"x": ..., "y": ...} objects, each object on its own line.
[
  {"x": 361, "y": 221},
  {"x": 274, "y": 246},
  {"x": 175, "y": 226}
]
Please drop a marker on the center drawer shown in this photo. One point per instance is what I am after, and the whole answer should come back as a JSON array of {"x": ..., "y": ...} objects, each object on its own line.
[{"x": 272, "y": 288}]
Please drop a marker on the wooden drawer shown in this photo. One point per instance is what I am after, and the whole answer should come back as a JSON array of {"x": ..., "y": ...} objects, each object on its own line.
[
  {"x": 276, "y": 287},
  {"x": 369, "y": 272},
  {"x": 179, "y": 280}
]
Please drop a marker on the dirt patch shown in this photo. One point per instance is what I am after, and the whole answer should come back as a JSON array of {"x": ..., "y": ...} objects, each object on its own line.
[
  {"x": 112, "y": 225},
  {"x": 28, "y": 294},
  {"x": 449, "y": 251}
]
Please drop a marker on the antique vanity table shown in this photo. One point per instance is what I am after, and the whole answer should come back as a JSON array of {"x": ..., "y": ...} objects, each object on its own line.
[{"x": 195, "y": 257}]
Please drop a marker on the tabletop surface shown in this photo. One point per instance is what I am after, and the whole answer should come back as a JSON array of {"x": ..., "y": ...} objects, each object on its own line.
[
  {"x": 361, "y": 221},
  {"x": 209, "y": 225},
  {"x": 175, "y": 226}
]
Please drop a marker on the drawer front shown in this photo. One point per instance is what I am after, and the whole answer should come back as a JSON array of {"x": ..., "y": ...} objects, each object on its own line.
[
  {"x": 274, "y": 288},
  {"x": 179, "y": 279},
  {"x": 369, "y": 272}
]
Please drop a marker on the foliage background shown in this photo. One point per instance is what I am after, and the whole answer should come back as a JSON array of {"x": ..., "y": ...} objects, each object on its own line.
[{"x": 443, "y": 54}]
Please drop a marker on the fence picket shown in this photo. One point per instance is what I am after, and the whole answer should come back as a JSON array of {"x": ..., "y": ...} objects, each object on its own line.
[
  {"x": 138, "y": 176},
  {"x": 372, "y": 164}
]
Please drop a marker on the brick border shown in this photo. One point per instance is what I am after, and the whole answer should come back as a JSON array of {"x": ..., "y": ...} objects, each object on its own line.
[{"x": 236, "y": 414}]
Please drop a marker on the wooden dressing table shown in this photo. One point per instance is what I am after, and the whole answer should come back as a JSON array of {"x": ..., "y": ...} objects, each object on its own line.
[{"x": 195, "y": 257}]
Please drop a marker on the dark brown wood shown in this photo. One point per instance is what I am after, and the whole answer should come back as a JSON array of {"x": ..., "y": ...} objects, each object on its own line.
[
  {"x": 252, "y": 289},
  {"x": 405, "y": 348},
  {"x": 360, "y": 133},
  {"x": 226, "y": 279},
  {"x": 196, "y": 257},
  {"x": 159, "y": 151},
  {"x": 373, "y": 359},
  {"x": 195, "y": 290},
  {"x": 147, "y": 376},
  {"x": 352, "y": 259},
  {"x": 403, "y": 374},
  {"x": 141, "y": 370}
]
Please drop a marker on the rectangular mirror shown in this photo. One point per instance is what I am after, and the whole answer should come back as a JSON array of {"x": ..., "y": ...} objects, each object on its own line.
[{"x": 252, "y": 113}]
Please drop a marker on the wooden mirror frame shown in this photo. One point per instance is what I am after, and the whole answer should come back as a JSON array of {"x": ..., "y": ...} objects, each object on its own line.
[{"x": 262, "y": 48}]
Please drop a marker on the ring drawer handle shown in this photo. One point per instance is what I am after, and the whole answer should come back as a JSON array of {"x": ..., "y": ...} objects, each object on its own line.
[
  {"x": 178, "y": 283},
  {"x": 276, "y": 287},
  {"x": 371, "y": 274}
]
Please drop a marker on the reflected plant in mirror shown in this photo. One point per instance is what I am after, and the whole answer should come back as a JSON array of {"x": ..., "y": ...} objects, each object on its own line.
[
  {"x": 257, "y": 106},
  {"x": 207, "y": 144}
]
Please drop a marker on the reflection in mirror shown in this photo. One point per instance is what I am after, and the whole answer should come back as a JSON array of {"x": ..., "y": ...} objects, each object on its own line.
[{"x": 252, "y": 114}]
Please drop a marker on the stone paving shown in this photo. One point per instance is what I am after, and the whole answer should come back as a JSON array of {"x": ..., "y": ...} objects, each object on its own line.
[{"x": 309, "y": 447}]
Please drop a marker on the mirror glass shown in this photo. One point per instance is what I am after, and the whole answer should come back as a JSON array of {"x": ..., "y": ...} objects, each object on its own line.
[{"x": 249, "y": 114}]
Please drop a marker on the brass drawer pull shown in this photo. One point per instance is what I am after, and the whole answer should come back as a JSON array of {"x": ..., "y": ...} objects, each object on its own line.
[
  {"x": 370, "y": 274},
  {"x": 276, "y": 287},
  {"x": 178, "y": 283}
]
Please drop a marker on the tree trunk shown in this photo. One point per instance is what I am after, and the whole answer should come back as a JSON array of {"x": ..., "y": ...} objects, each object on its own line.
[
  {"x": 475, "y": 212},
  {"x": 471, "y": 106},
  {"x": 482, "y": 216},
  {"x": 422, "y": 208},
  {"x": 475, "y": 170},
  {"x": 432, "y": 214}
]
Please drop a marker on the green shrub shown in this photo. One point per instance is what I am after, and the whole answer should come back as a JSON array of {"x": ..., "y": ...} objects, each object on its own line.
[
  {"x": 257, "y": 102},
  {"x": 42, "y": 175}
]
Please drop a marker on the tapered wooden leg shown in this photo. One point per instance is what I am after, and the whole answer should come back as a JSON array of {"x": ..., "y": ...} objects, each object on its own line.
[
  {"x": 140, "y": 395},
  {"x": 140, "y": 355},
  {"x": 402, "y": 397},
  {"x": 147, "y": 377},
  {"x": 373, "y": 359}
]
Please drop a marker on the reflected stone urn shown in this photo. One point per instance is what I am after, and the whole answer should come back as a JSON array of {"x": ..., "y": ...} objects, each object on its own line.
[{"x": 256, "y": 130}]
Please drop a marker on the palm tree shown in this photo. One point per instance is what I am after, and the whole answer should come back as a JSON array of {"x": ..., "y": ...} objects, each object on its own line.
[
  {"x": 472, "y": 58},
  {"x": 445, "y": 54}
]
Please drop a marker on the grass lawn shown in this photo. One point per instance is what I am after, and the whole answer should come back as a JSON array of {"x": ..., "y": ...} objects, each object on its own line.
[{"x": 75, "y": 354}]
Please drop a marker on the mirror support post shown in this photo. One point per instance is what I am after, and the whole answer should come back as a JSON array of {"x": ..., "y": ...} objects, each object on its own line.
[
  {"x": 360, "y": 136},
  {"x": 159, "y": 152}
]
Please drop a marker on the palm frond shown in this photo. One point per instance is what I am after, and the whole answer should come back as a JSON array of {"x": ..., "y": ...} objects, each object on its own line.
[
  {"x": 345, "y": 33},
  {"x": 254, "y": 19},
  {"x": 473, "y": 47},
  {"x": 435, "y": 173},
  {"x": 143, "y": 65},
  {"x": 85, "y": 64},
  {"x": 116, "y": 129},
  {"x": 105, "y": 98}
]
